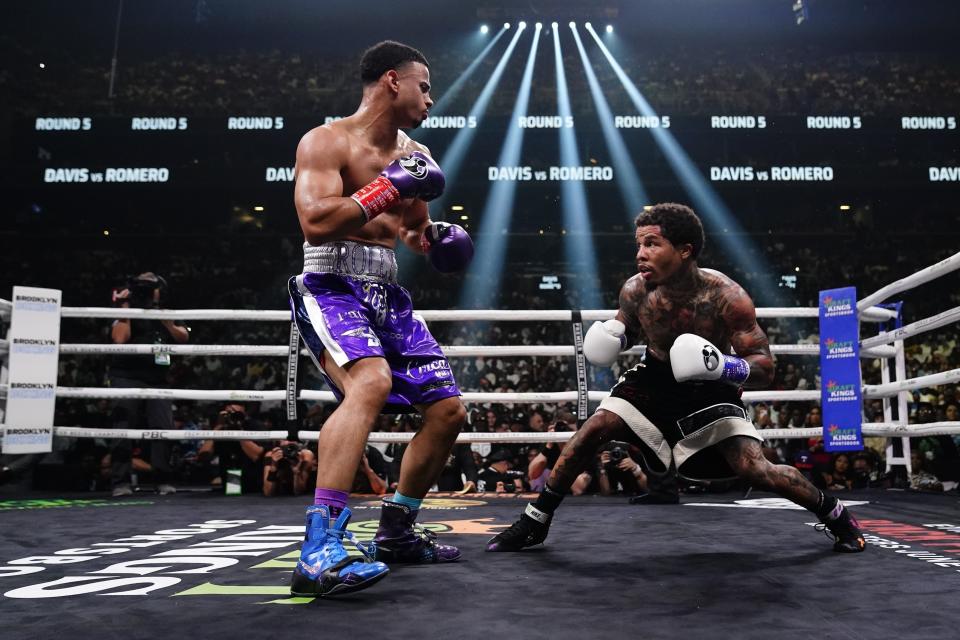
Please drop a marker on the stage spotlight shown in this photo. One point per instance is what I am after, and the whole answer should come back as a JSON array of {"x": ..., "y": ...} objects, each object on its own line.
[
  {"x": 506, "y": 25},
  {"x": 587, "y": 25},
  {"x": 484, "y": 28},
  {"x": 609, "y": 28},
  {"x": 578, "y": 247},
  {"x": 451, "y": 93},
  {"x": 522, "y": 25},
  {"x": 453, "y": 157},
  {"x": 631, "y": 188},
  {"x": 486, "y": 271},
  {"x": 539, "y": 25},
  {"x": 573, "y": 25},
  {"x": 553, "y": 25},
  {"x": 706, "y": 201}
]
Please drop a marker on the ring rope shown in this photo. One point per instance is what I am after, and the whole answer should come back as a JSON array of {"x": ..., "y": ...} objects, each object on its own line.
[
  {"x": 877, "y": 314},
  {"x": 877, "y": 429},
  {"x": 932, "y": 272},
  {"x": 865, "y": 308},
  {"x": 931, "y": 380},
  {"x": 548, "y": 397},
  {"x": 453, "y": 351},
  {"x": 914, "y": 328}
]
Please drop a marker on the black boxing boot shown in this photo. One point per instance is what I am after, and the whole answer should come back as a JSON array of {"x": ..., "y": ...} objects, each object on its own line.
[
  {"x": 840, "y": 525},
  {"x": 532, "y": 527}
]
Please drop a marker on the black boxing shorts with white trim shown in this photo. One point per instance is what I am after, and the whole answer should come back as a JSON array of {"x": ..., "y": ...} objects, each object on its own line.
[{"x": 679, "y": 421}]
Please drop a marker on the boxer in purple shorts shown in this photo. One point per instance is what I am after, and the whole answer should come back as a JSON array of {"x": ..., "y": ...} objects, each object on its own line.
[
  {"x": 348, "y": 319},
  {"x": 362, "y": 184}
]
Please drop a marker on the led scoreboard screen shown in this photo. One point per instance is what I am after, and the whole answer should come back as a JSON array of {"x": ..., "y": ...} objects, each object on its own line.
[{"x": 728, "y": 150}]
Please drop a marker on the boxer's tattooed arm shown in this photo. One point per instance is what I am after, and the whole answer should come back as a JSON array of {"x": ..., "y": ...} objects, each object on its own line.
[
  {"x": 745, "y": 335},
  {"x": 746, "y": 458},
  {"x": 629, "y": 313}
]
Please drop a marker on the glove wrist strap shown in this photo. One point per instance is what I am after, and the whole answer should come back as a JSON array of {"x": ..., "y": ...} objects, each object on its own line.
[
  {"x": 376, "y": 197},
  {"x": 735, "y": 370}
]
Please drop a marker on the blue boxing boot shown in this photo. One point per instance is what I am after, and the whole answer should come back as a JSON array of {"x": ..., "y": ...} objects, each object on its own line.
[{"x": 324, "y": 568}]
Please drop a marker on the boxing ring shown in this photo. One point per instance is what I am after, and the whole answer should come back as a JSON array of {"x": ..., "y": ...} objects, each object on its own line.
[{"x": 714, "y": 566}]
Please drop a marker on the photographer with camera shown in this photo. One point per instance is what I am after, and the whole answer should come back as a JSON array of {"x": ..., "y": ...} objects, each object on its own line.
[
  {"x": 616, "y": 472},
  {"x": 289, "y": 469},
  {"x": 145, "y": 291},
  {"x": 499, "y": 475},
  {"x": 242, "y": 456}
]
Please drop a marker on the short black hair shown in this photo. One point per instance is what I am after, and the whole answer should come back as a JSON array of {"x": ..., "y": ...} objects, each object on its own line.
[
  {"x": 384, "y": 56},
  {"x": 678, "y": 224}
]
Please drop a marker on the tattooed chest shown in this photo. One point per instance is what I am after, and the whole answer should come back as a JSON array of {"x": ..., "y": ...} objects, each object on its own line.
[{"x": 663, "y": 320}]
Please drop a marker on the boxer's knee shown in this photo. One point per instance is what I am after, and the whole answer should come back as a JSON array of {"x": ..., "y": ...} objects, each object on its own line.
[
  {"x": 447, "y": 415},
  {"x": 368, "y": 382},
  {"x": 455, "y": 414},
  {"x": 602, "y": 427}
]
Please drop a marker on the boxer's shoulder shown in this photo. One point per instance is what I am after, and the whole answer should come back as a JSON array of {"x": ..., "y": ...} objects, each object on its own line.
[
  {"x": 327, "y": 141},
  {"x": 633, "y": 288},
  {"x": 714, "y": 277},
  {"x": 731, "y": 299}
]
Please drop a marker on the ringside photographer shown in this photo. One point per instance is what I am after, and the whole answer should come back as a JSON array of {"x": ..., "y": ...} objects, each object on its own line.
[{"x": 145, "y": 291}]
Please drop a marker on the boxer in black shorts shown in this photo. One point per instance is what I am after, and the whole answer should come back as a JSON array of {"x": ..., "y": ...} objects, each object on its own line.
[{"x": 682, "y": 404}]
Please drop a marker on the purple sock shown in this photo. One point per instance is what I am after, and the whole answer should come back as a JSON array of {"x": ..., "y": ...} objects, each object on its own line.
[{"x": 334, "y": 499}]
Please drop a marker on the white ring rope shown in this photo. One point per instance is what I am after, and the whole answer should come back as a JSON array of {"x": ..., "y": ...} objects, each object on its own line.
[
  {"x": 920, "y": 277},
  {"x": 877, "y": 314},
  {"x": 877, "y": 429},
  {"x": 873, "y": 346},
  {"x": 932, "y": 380},
  {"x": 914, "y": 328},
  {"x": 456, "y": 351},
  {"x": 546, "y": 397}
]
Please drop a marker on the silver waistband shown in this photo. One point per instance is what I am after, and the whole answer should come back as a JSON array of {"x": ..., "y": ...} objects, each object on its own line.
[{"x": 364, "y": 261}]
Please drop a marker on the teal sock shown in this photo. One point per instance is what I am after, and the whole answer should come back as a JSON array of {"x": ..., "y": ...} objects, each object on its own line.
[{"x": 413, "y": 503}]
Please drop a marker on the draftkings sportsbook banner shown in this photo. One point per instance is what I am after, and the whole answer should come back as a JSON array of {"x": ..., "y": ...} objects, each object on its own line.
[{"x": 840, "y": 390}]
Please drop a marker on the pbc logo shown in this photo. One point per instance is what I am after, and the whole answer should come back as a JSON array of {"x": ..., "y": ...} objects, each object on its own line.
[
  {"x": 711, "y": 359},
  {"x": 415, "y": 165}
]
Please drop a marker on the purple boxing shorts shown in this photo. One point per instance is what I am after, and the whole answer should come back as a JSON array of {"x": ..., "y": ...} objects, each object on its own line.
[{"x": 347, "y": 306}]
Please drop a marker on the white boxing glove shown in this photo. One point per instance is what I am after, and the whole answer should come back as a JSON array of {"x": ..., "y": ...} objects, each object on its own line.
[
  {"x": 695, "y": 358},
  {"x": 604, "y": 342}
]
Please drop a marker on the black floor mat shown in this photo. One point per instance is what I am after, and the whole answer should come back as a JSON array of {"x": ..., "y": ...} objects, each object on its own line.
[{"x": 208, "y": 566}]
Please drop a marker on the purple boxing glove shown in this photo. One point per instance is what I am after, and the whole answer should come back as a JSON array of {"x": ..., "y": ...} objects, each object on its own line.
[
  {"x": 413, "y": 176},
  {"x": 448, "y": 247}
]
